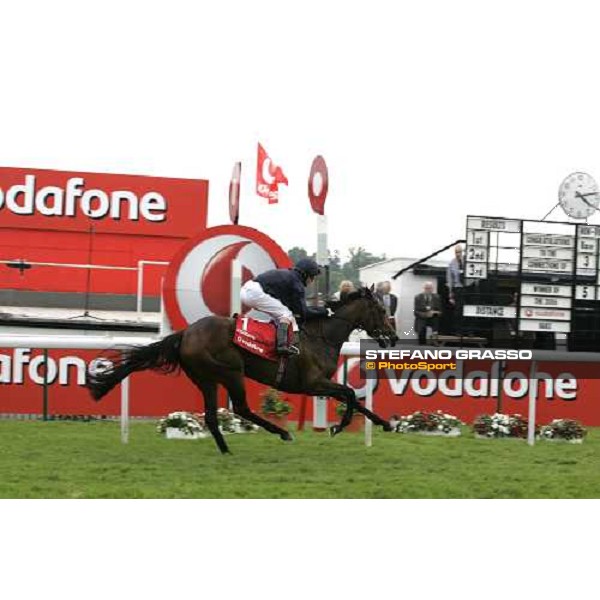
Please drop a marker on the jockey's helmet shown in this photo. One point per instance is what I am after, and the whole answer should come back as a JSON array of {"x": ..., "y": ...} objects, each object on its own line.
[{"x": 307, "y": 267}]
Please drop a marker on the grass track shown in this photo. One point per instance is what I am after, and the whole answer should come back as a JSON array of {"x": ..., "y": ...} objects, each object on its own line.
[{"x": 87, "y": 460}]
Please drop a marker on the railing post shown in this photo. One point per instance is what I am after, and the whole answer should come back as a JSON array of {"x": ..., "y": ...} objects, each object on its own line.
[{"x": 45, "y": 387}]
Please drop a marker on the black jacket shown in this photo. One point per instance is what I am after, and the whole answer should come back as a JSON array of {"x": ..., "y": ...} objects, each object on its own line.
[{"x": 287, "y": 286}]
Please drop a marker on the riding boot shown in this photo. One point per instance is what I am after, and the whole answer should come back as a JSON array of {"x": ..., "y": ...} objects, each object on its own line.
[{"x": 283, "y": 347}]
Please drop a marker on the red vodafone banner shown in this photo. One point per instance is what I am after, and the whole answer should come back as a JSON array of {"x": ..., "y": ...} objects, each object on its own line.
[
  {"x": 198, "y": 281},
  {"x": 565, "y": 390},
  {"x": 123, "y": 204}
]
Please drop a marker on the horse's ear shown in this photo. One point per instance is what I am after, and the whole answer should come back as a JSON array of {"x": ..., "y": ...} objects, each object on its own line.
[{"x": 372, "y": 288}]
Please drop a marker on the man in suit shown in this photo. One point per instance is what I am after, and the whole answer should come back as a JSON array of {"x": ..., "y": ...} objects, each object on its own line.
[
  {"x": 388, "y": 300},
  {"x": 455, "y": 282},
  {"x": 428, "y": 308}
]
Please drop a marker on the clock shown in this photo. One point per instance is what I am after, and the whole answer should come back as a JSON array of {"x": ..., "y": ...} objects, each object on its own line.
[{"x": 579, "y": 195}]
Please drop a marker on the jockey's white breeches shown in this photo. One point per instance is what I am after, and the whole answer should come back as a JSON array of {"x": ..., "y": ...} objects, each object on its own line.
[{"x": 253, "y": 296}]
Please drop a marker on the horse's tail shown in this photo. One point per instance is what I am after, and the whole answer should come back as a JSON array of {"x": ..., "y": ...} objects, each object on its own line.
[{"x": 162, "y": 356}]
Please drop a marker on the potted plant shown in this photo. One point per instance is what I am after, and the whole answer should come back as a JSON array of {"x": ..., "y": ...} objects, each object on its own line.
[
  {"x": 231, "y": 423},
  {"x": 356, "y": 424},
  {"x": 500, "y": 426},
  {"x": 427, "y": 423},
  {"x": 565, "y": 430},
  {"x": 182, "y": 425},
  {"x": 275, "y": 408}
]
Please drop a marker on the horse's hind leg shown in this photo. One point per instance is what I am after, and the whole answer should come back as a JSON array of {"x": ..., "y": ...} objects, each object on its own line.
[
  {"x": 237, "y": 395},
  {"x": 209, "y": 391}
]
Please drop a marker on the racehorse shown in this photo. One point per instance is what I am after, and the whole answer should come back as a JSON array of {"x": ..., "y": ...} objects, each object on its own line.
[{"x": 206, "y": 353}]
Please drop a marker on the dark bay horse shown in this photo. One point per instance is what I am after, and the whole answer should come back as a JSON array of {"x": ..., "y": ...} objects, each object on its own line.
[{"x": 206, "y": 353}]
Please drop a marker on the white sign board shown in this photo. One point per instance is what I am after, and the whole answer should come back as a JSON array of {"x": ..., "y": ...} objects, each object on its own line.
[
  {"x": 547, "y": 252},
  {"x": 550, "y": 326},
  {"x": 587, "y": 245},
  {"x": 548, "y": 239},
  {"x": 585, "y": 292},
  {"x": 547, "y": 265},
  {"x": 476, "y": 270},
  {"x": 546, "y": 301},
  {"x": 586, "y": 261},
  {"x": 588, "y": 231},
  {"x": 478, "y": 238},
  {"x": 485, "y": 310},
  {"x": 530, "y": 312},
  {"x": 477, "y": 254},
  {"x": 508, "y": 267},
  {"x": 545, "y": 289},
  {"x": 493, "y": 224}
]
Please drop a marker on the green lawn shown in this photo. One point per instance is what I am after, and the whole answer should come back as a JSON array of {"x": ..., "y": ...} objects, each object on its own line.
[{"x": 87, "y": 460}]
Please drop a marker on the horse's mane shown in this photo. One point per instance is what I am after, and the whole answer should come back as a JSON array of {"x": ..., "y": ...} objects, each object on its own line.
[{"x": 362, "y": 292}]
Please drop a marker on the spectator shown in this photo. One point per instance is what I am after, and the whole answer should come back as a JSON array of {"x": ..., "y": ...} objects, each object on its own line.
[
  {"x": 428, "y": 308},
  {"x": 345, "y": 288},
  {"x": 455, "y": 282},
  {"x": 388, "y": 300}
]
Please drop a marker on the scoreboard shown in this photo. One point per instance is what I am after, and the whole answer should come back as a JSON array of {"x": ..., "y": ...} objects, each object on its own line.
[{"x": 555, "y": 264}]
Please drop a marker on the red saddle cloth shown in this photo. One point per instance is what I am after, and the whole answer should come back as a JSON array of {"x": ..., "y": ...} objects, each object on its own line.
[{"x": 258, "y": 337}]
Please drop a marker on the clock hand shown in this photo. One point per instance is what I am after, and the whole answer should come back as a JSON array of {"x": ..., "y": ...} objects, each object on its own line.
[
  {"x": 587, "y": 201},
  {"x": 582, "y": 196}
]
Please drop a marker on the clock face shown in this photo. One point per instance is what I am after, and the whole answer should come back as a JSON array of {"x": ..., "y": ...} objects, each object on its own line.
[{"x": 579, "y": 195}]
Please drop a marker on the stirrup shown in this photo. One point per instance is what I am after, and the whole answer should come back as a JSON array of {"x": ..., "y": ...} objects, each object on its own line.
[{"x": 288, "y": 350}]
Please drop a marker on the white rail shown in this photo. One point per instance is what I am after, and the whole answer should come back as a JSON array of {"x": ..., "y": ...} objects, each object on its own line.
[{"x": 140, "y": 273}]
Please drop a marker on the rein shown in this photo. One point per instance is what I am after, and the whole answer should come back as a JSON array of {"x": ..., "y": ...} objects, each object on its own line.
[{"x": 322, "y": 335}]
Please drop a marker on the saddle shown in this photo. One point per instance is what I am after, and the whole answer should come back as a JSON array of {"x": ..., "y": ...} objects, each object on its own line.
[{"x": 258, "y": 337}]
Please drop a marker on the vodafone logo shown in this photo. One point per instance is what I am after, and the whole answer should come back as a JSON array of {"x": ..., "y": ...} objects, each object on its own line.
[
  {"x": 198, "y": 281},
  {"x": 27, "y": 198}
]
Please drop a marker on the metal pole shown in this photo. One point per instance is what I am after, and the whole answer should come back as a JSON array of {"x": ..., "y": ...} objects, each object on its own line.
[
  {"x": 320, "y": 402},
  {"x": 236, "y": 301},
  {"x": 125, "y": 410},
  {"x": 532, "y": 404},
  {"x": 236, "y": 284},
  {"x": 369, "y": 387},
  {"x": 45, "y": 390},
  {"x": 140, "y": 289}
]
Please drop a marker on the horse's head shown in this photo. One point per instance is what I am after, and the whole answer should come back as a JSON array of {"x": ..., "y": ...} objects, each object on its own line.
[{"x": 365, "y": 312}]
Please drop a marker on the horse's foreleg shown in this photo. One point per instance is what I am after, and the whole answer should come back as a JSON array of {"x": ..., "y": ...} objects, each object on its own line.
[
  {"x": 237, "y": 394},
  {"x": 345, "y": 394}
]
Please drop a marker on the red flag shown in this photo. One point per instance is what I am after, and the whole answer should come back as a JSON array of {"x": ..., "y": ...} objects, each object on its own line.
[{"x": 268, "y": 177}]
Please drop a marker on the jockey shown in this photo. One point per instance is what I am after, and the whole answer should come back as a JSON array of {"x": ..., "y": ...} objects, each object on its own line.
[{"x": 280, "y": 294}]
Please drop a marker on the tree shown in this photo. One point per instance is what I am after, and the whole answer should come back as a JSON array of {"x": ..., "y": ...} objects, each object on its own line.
[{"x": 296, "y": 253}]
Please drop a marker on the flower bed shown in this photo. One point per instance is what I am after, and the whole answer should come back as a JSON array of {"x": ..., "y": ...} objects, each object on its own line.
[
  {"x": 185, "y": 425},
  {"x": 500, "y": 426},
  {"x": 437, "y": 423},
  {"x": 565, "y": 430}
]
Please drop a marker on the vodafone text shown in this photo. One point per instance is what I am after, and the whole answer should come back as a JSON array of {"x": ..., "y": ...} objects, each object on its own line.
[
  {"x": 53, "y": 201},
  {"x": 21, "y": 366},
  {"x": 459, "y": 354}
]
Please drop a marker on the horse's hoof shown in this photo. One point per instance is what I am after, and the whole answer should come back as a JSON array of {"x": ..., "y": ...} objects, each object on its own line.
[
  {"x": 334, "y": 430},
  {"x": 287, "y": 437}
]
